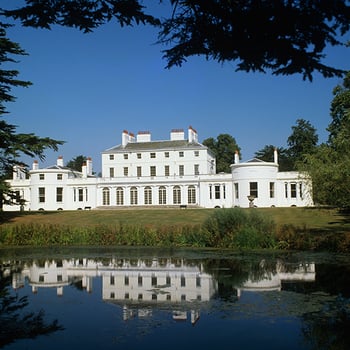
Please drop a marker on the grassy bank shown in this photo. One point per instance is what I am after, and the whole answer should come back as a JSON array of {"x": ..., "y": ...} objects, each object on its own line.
[{"x": 292, "y": 228}]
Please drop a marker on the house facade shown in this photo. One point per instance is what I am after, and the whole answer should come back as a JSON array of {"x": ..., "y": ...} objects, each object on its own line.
[{"x": 178, "y": 172}]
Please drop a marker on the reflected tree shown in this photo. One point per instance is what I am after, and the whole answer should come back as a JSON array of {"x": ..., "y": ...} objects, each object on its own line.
[
  {"x": 329, "y": 329},
  {"x": 15, "y": 322}
]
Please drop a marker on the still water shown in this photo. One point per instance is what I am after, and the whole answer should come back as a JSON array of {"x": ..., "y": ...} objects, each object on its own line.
[{"x": 123, "y": 298}]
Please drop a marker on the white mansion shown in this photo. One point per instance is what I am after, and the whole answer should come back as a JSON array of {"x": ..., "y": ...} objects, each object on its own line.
[{"x": 179, "y": 172}]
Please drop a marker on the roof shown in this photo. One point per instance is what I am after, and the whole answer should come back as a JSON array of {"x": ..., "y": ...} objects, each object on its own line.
[
  {"x": 255, "y": 160},
  {"x": 155, "y": 145}
]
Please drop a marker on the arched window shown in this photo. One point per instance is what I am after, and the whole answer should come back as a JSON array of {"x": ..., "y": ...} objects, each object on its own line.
[
  {"x": 133, "y": 195},
  {"x": 120, "y": 196},
  {"x": 105, "y": 196},
  {"x": 162, "y": 195},
  {"x": 177, "y": 195},
  {"x": 148, "y": 195},
  {"x": 191, "y": 195}
]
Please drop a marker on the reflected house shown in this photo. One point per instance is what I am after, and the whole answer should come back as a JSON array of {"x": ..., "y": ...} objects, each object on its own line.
[
  {"x": 141, "y": 282},
  {"x": 139, "y": 286},
  {"x": 179, "y": 172},
  {"x": 304, "y": 272},
  {"x": 158, "y": 283}
]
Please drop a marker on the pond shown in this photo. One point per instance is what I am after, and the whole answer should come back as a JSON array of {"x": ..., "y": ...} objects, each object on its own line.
[{"x": 125, "y": 298}]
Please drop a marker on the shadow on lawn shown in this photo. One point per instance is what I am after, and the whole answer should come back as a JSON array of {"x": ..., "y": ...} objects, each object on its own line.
[{"x": 10, "y": 216}]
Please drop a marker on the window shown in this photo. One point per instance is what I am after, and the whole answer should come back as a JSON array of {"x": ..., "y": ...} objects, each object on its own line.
[
  {"x": 111, "y": 172},
  {"x": 196, "y": 169},
  {"x": 153, "y": 281},
  {"x": 153, "y": 170},
  {"x": 133, "y": 196},
  {"x": 120, "y": 196},
  {"x": 126, "y": 171},
  {"x": 236, "y": 190},
  {"x": 293, "y": 190},
  {"x": 168, "y": 280},
  {"x": 162, "y": 195},
  {"x": 217, "y": 191},
  {"x": 112, "y": 280},
  {"x": 59, "y": 194},
  {"x": 148, "y": 195},
  {"x": 224, "y": 191},
  {"x": 301, "y": 190},
  {"x": 286, "y": 190},
  {"x": 139, "y": 156},
  {"x": 111, "y": 157},
  {"x": 59, "y": 176},
  {"x": 181, "y": 170},
  {"x": 253, "y": 189},
  {"x": 105, "y": 196},
  {"x": 191, "y": 195},
  {"x": 166, "y": 170},
  {"x": 176, "y": 195},
  {"x": 126, "y": 156},
  {"x": 139, "y": 280},
  {"x": 181, "y": 154},
  {"x": 81, "y": 195},
  {"x": 198, "y": 281},
  {"x": 166, "y": 154},
  {"x": 196, "y": 153},
  {"x": 272, "y": 190},
  {"x": 210, "y": 192},
  {"x": 41, "y": 194},
  {"x": 183, "y": 281},
  {"x": 153, "y": 155},
  {"x": 139, "y": 171},
  {"x": 126, "y": 280},
  {"x": 41, "y": 176}
]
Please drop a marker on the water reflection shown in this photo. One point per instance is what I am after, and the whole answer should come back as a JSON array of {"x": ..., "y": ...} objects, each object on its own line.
[
  {"x": 202, "y": 292},
  {"x": 149, "y": 282}
]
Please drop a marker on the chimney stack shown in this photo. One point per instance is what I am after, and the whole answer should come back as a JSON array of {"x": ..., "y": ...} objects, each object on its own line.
[
  {"x": 60, "y": 161},
  {"x": 236, "y": 160},
  {"x": 84, "y": 170},
  {"x": 192, "y": 135},
  {"x": 89, "y": 166},
  {"x": 35, "y": 165},
  {"x": 275, "y": 156},
  {"x": 143, "y": 136},
  {"x": 177, "y": 134}
]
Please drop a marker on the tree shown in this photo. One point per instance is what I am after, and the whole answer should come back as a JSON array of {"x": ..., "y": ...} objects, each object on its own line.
[
  {"x": 303, "y": 140},
  {"x": 224, "y": 148},
  {"x": 340, "y": 108},
  {"x": 12, "y": 144},
  {"x": 267, "y": 154},
  {"x": 15, "y": 322},
  {"x": 284, "y": 37},
  {"x": 329, "y": 165},
  {"x": 76, "y": 163}
]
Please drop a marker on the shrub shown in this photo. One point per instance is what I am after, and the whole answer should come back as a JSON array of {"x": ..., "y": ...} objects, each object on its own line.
[{"x": 238, "y": 228}]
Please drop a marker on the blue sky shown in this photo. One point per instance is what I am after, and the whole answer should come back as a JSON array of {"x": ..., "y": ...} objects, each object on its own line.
[{"x": 88, "y": 88}]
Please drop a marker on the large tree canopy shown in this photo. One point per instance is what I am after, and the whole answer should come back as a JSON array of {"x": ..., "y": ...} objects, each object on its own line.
[
  {"x": 303, "y": 140},
  {"x": 284, "y": 37},
  {"x": 329, "y": 164},
  {"x": 224, "y": 148},
  {"x": 12, "y": 144}
]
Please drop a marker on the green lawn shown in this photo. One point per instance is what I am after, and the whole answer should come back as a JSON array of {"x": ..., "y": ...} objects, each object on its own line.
[{"x": 312, "y": 218}]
